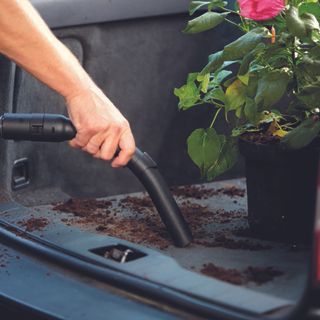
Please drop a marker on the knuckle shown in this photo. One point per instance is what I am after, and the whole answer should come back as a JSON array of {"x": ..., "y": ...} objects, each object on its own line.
[
  {"x": 91, "y": 150},
  {"x": 106, "y": 156},
  {"x": 116, "y": 129},
  {"x": 125, "y": 124},
  {"x": 122, "y": 124}
]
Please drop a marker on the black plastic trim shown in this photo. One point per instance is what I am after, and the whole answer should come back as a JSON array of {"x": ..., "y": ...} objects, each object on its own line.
[{"x": 18, "y": 238}]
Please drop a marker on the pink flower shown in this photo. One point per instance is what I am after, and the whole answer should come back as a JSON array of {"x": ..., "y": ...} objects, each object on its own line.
[{"x": 260, "y": 9}]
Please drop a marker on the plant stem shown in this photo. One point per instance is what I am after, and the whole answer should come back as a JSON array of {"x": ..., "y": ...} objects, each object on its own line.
[
  {"x": 233, "y": 23},
  {"x": 215, "y": 117},
  {"x": 294, "y": 63}
]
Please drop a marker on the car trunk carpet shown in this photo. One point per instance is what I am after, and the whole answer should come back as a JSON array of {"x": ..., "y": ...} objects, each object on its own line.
[{"x": 256, "y": 274}]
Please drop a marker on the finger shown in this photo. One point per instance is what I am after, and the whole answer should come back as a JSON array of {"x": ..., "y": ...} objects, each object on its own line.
[
  {"x": 127, "y": 149},
  {"x": 94, "y": 144},
  {"x": 109, "y": 148},
  {"x": 73, "y": 143}
]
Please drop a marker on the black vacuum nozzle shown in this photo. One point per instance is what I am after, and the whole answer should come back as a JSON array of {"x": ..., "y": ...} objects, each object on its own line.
[
  {"x": 36, "y": 127},
  {"x": 58, "y": 128}
]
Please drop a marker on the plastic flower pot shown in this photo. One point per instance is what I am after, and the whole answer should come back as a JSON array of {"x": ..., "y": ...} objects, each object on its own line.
[{"x": 281, "y": 188}]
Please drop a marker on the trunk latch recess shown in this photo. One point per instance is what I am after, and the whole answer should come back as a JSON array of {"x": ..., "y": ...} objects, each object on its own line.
[{"x": 119, "y": 253}]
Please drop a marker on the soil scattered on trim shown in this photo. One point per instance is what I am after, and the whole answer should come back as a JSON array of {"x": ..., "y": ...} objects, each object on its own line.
[
  {"x": 33, "y": 224},
  {"x": 226, "y": 242},
  {"x": 257, "y": 275},
  {"x": 4, "y": 258}
]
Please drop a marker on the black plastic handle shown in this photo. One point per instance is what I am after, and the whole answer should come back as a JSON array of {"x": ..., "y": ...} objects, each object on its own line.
[{"x": 58, "y": 128}]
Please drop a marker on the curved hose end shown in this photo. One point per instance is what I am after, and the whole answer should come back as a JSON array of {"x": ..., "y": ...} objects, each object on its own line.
[{"x": 184, "y": 239}]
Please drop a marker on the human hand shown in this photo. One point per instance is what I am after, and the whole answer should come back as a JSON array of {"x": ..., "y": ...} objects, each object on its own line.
[{"x": 101, "y": 128}]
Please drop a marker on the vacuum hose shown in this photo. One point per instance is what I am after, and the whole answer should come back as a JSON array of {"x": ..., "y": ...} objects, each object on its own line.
[{"x": 58, "y": 128}]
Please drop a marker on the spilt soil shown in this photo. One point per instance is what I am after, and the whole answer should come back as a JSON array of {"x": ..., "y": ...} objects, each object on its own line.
[
  {"x": 34, "y": 224},
  {"x": 138, "y": 205},
  {"x": 221, "y": 240},
  {"x": 4, "y": 258},
  {"x": 135, "y": 219},
  {"x": 200, "y": 192},
  {"x": 261, "y": 275},
  {"x": 82, "y": 207},
  {"x": 258, "y": 275},
  {"x": 140, "y": 229},
  {"x": 145, "y": 227}
]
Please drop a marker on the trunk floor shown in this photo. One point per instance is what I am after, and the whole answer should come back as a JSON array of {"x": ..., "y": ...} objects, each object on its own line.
[{"x": 217, "y": 214}]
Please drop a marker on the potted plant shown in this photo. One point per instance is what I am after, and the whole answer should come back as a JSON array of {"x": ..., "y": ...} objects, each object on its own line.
[{"x": 266, "y": 86}]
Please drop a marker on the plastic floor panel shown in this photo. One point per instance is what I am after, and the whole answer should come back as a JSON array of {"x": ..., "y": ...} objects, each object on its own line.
[
  {"x": 63, "y": 294},
  {"x": 180, "y": 268}
]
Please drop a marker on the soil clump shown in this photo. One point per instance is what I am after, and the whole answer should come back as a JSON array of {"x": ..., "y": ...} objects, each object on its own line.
[
  {"x": 34, "y": 224},
  {"x": 257, "y": 275},
  {"x": 82, "y": 207}
]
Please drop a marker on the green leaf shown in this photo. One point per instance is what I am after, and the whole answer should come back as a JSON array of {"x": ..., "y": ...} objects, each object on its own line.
[
  {"x": 215, "y": 94},
  {"x": 295, "y": 24},
  {"x": 205, "y": 22},
  {"x": 302, "y": 135},
  {"x": 310, "y": 95},
  {"x": 204, "y": 79},
  {"x": 239, "y": 48},
  {"x": 311, "y": 65},
  {"x": 252, "y": 85},
  {"x": 271, "y": 88},
  {"x": 244, "y": 67},
  {"x": 217, "y": 4},
  {"x": 227, "y": 158},
  {"x": 248, "y": 127},
  {"x": 244, "y": 79},
  {"x": 315, "y": 35},
  {"x": 248, "y": 58},
  {"x": 229, "y": 82},
  {"x": 312, "y": 7},
  {"x": 204, "y": 146},
  {"x": 310, "y": 21},
  {"x": 220, "y": 76},
  {"x": 215, "y": 62},
  {"x": 235, "y": 95},
  {"x": 196, "y": 5},
  {"x": 251, "y": 111},
  {"x": 189, "y": 93}
]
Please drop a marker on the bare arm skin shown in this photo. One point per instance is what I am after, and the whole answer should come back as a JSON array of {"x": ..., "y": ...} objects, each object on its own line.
[{"x": 27, "y": 40}]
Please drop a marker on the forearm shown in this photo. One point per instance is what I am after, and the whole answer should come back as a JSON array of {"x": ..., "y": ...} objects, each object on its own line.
[{"x": 26, "y": 39}]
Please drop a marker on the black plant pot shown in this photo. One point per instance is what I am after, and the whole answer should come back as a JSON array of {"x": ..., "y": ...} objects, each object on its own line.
[{"x": 281, "y": 187}]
